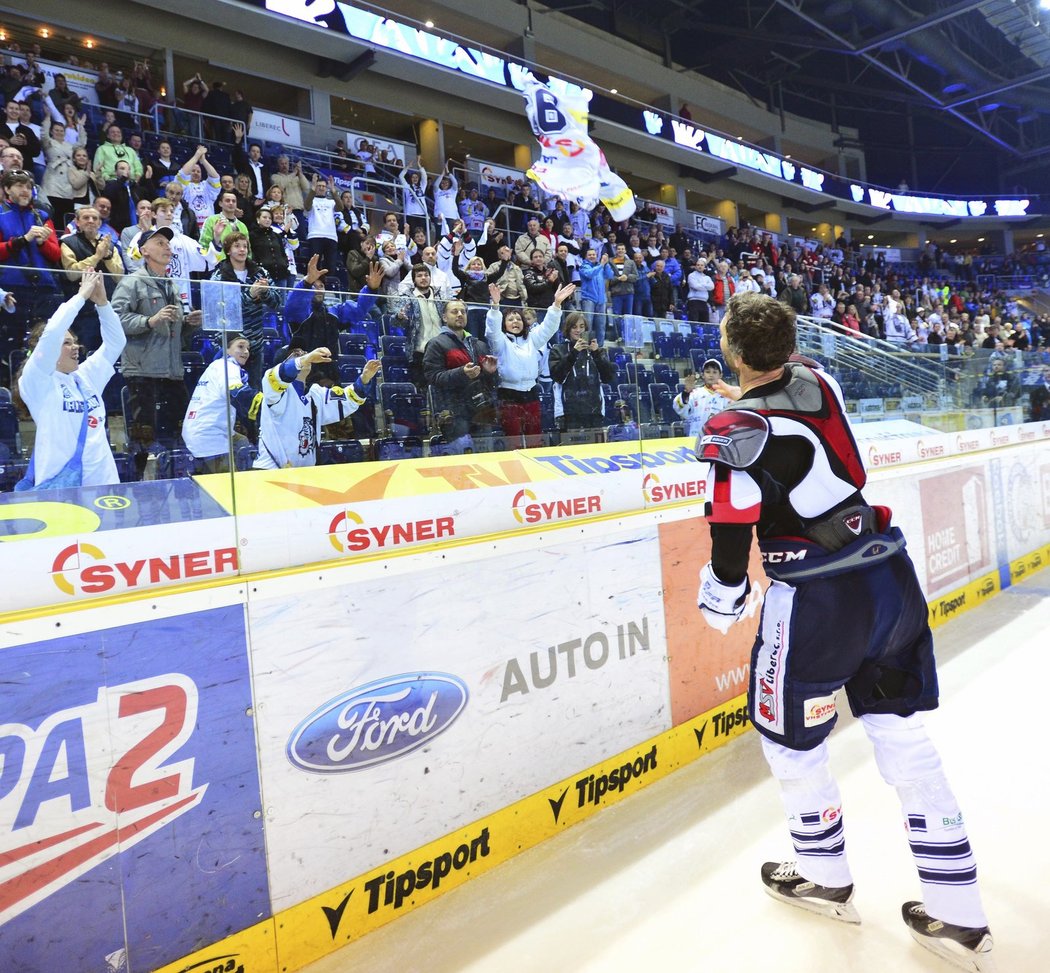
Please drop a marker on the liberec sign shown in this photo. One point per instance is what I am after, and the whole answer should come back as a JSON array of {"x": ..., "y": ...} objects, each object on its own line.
[{"x": 486, "y": 66}]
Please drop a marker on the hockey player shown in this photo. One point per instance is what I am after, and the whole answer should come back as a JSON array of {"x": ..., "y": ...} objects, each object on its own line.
[
  {"x": 292, "y": 415},
  {"x": 699, "y": 403},
  {"x": 222, "y": 394},
  {"x": 843, "y": 610}
]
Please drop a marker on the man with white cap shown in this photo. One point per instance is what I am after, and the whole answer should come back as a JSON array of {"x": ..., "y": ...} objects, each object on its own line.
[{"x": 149, "y": 308}]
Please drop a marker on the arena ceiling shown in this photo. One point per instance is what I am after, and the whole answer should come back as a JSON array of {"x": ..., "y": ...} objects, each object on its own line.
[{"x": 965, "y": 84}]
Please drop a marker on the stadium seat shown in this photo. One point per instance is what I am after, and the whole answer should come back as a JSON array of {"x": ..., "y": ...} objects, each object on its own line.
[
  {"x": 350, "y": 368},
  {"x": 609, "y": 400},
  {"x": 665, "y": 374},
  {"x": 393, "y": 349},
  {"x": 403, "y": 407},
  {"x": 664, "y": 346},
  {"x": 336, "y": 451},
  {"x": 391, "y": 448},
  {"x": 173, "y": 464},
  {"x": 10, "y": 437},
  {"x": 192, "y": 368},
  {"x": 629, "y": 394},
  {"x": 353, "y": 344},
  {"x": 660, "y": 400}
]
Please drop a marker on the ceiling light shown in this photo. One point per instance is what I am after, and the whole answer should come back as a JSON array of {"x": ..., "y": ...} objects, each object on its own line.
[
  {"x": 89, "y": 43},
  {"x": 429, "y": 25},
  {"x": 871, "y": 236},
  {"x": 613, "y": 91},
  {"x": 980, "y": 239},
  {"x": 953, "y": 241},
  {"x": 45, "y": 33}
]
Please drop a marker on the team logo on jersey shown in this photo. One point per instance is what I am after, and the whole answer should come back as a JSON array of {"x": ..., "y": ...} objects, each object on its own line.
[
  {"x": 306, "y": 437},
  {"x": 64, "y": 812}
]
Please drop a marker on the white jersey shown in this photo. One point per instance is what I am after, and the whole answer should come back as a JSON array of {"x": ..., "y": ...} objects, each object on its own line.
[
  {"x": 445, "y": 205},
  {"x": 58, "y": 401},
  {"x": 701, "y": 404},
  {"x": 322, "y": 219},
  {"x": 821, "y": 305},
  {"x": 199, "y": 196},
  {"x": 414, "y": 195},
  {"x": 210, "y": 415},
  {"x": 290, "y": 420}
]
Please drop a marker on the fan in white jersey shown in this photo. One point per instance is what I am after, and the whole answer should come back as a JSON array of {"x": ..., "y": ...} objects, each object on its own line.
[
  {"x": 197, "y": 193},
  {"x": 64, "y": 396},
  {"x": 700, "y": 402},
  {"x": 292, "y": 415},
  {"x": 221, "y": 396},
  {"x": 444, "y": 192}
]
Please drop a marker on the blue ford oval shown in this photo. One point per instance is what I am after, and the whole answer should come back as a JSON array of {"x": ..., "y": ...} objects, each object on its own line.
[{"x": 377, "y": 722}]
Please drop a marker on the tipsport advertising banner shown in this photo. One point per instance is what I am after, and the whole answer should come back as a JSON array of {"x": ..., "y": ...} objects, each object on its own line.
[
  {"x": 427, "y": 698},
  {"x": 128, "y": 792}
]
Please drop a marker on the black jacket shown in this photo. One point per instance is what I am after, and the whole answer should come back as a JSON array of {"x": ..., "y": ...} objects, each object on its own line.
[{"x": 581, "y": 376}]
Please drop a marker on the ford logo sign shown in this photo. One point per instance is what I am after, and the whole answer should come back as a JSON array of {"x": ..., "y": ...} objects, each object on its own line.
[{"x": 377, "y": 722}]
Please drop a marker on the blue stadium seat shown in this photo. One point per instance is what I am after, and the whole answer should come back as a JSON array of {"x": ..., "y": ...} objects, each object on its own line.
[
  {"x": 665, "y": 374},
  {"x": 173, "y": 464},
  {"x": 192, "y": 368},
  {"x": 393, "y": 347},
  {"x": 609, "y": 401},
  {"x": 629, "y": 393},
  {"x": 353, "y": 344},
  {"x": 395, "y": 373},
  {"x": 350, "y": 368},
  {"x": 111, "y": 393},
  {"x": 391, "y": 448},
  {"x": 547, "y": 420},
  {"x": 9, "y": 434},
  {"x": 403, "y": 406},
  {"x": 336, "y": 451},
  {"x": 664, "y": 345},
  {"x": 660, "y": 400}
]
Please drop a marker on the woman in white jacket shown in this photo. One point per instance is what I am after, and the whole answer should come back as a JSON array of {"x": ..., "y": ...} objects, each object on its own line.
[
  {"x": 518, "y": 349},
  {"x": 414, "y": 188},
  {"x": 58, "y": 154},
  {"x": 64, "y": 397},
  {"x": 446, "y": 209}
]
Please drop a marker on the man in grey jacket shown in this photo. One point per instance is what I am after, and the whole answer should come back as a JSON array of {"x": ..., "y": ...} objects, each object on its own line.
[{"x": 148, "y": 305}]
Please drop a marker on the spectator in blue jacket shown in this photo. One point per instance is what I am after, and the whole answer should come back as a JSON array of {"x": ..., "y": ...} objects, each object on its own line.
[
  {"x": 672, "y": 267},
  {"x": 643, "y": 296},
  {"x": 593, "y": 274}
]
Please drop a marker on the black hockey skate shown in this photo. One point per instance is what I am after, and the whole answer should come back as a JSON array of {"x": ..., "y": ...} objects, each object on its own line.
[
  {"x": 966, "y": 947},
  {"x": 783, "y": 882}
]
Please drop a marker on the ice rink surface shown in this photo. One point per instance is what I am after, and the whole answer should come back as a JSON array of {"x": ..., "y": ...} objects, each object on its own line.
[{"x": 667, "y": 880}]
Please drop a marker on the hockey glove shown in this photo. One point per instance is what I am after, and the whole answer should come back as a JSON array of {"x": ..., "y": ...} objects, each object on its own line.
[{"x": 720, "y": 604}]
